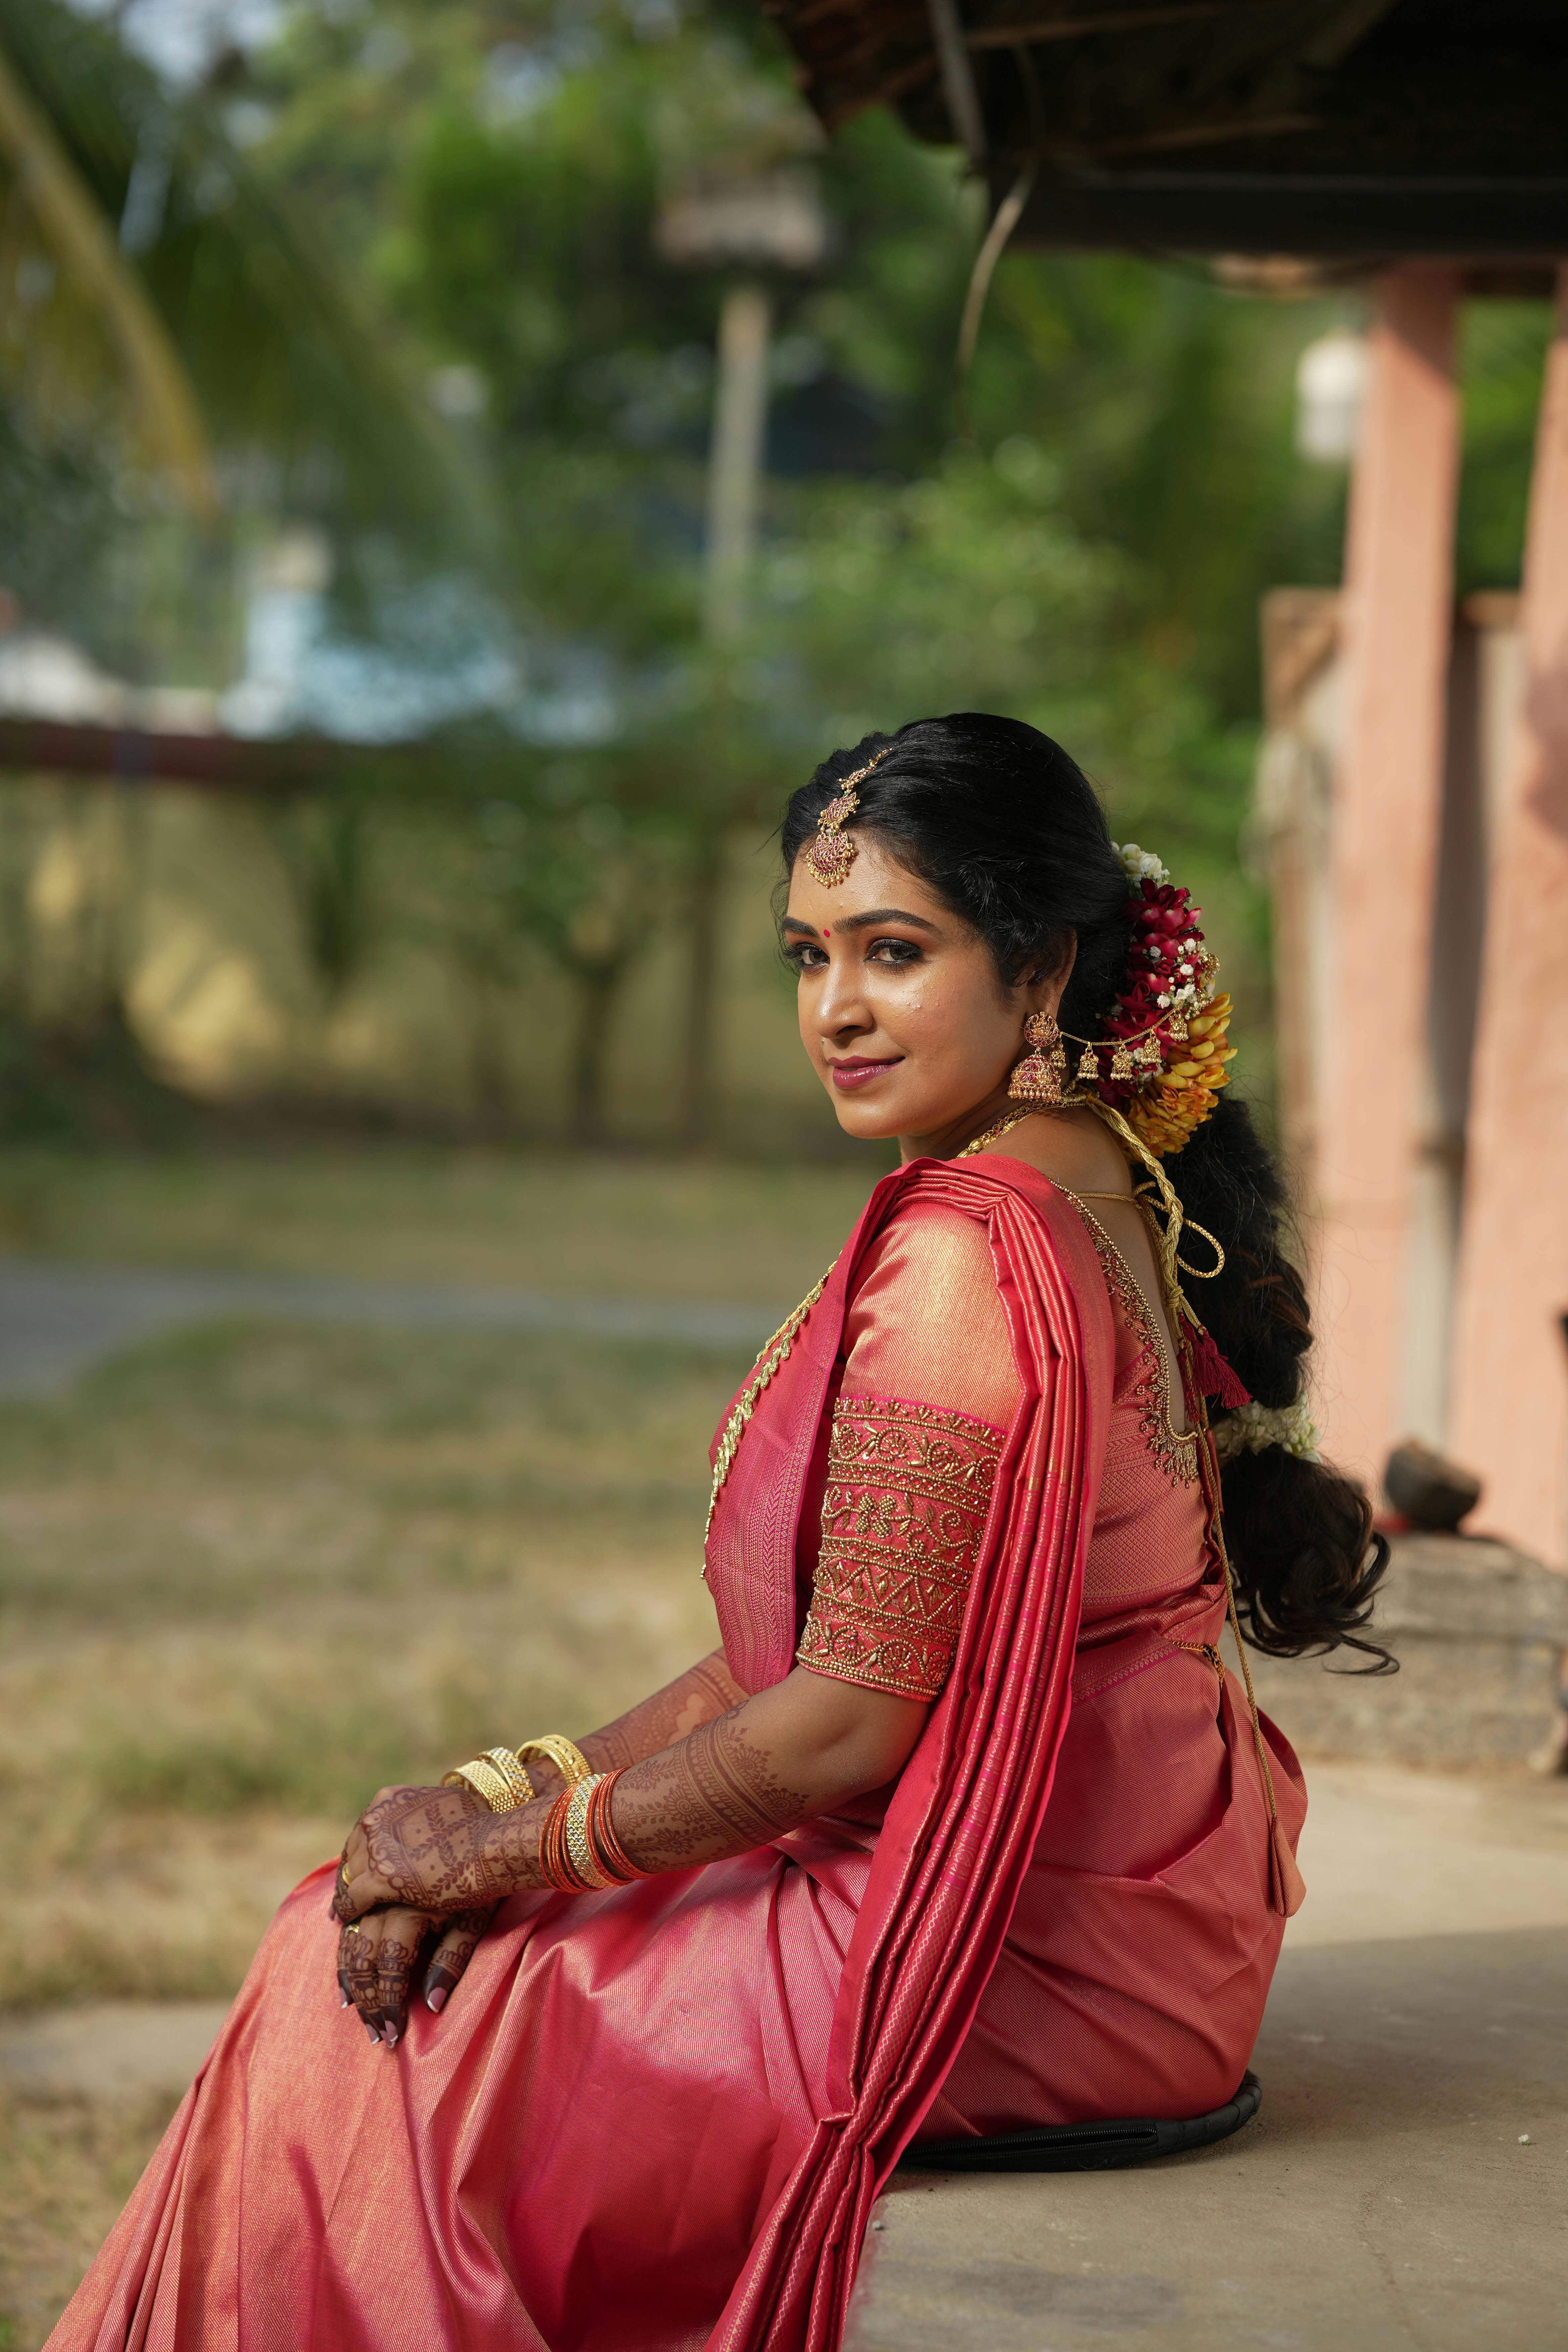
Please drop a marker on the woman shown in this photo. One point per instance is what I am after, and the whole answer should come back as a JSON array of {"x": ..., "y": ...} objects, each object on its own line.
[{"x": 965, "y": 1827}]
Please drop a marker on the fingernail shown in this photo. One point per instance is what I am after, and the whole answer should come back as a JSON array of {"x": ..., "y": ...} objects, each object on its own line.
[
  {"x": 369, "y": 2027},
  {"x": 343, "y": 2002},
  {"x": 389, "y": 2033},
  {"x": 436, "y": 1998}
]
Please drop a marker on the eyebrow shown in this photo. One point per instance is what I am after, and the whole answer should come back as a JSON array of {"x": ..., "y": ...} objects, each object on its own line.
[{"x": 864, "y": 922}]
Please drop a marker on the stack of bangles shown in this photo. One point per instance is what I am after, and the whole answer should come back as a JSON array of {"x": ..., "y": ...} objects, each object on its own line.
[{"x": 578, "y": 1849}]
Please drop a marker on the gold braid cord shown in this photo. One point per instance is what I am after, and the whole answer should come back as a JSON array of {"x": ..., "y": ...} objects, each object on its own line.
[{"x": 908, "y": 1491}]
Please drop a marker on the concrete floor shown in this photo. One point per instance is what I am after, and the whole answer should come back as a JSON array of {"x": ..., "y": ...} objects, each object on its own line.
[{"x": 1406, "y": 2183}]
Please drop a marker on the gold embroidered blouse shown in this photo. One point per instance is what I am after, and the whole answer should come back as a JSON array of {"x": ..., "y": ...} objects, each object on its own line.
[
  {"x": 909, "y": 1488},
  {"x": 910, "y": 1481}
]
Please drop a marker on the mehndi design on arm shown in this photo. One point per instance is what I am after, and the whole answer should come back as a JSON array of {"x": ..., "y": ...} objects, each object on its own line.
[
  {"x": 705, "y": 1690},
  {"x": 713, "y": 1793}
]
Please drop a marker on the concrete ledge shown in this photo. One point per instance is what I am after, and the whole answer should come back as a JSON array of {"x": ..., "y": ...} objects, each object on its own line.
[
  {"x": 1479, "y": 1630},
  {"x": 1402, "y": 2190}
]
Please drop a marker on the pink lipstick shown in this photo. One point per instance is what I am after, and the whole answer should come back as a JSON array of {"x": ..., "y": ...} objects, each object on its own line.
[{"x": 860, "y": 1073}]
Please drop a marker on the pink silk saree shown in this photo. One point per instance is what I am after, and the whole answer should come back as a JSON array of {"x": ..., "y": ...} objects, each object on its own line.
[{"x": 655, "y": 2120}]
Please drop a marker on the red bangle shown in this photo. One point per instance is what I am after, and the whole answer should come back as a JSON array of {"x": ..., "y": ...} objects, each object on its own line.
[
  {"x": 555, "y": 1865},
  {"x": 606, "y": 1847}
]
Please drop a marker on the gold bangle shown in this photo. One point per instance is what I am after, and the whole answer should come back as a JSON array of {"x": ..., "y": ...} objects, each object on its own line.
[
  {"x": 498, "y": 1777},
  {"x": 509, "y": 1765},
  {"x": 584, "y": 1860},
  {"x": 567, "y": 1758},
  {"x": 484, "y": 1780}
]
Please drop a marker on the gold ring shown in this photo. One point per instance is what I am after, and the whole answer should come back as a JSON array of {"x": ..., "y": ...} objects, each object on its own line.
[{"x": 350, "y": 1928}]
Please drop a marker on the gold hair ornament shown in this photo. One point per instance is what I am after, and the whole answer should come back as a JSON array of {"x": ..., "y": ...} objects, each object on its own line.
[{"x": 833, "y": 853}]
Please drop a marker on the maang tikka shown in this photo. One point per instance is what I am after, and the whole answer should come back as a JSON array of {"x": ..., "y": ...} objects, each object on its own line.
[
  {"x": 832, "y": 853},
  {"x": 1039, "y": 1076}
]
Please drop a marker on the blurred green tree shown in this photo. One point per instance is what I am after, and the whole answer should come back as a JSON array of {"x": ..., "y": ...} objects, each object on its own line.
[
  {"x": 485, "y": 175},
  {"x": 177, "y": 349}
]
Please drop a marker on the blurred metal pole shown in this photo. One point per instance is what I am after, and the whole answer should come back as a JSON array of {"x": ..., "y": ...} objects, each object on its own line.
[{"x": 735, "y": 460}]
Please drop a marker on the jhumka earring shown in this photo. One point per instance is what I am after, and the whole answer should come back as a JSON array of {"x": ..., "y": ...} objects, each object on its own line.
[{"x": 1039, "y": 1076}]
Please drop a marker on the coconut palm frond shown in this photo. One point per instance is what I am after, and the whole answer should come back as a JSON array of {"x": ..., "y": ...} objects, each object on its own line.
[
  {"x": 71, "y": 222},
  {"x": 280, "y": 348}
]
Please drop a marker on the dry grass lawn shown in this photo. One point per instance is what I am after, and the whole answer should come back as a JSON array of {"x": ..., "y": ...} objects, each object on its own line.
[
  {"x": 250, "y": 1572},
  {"x": 554, "y": 1221}
]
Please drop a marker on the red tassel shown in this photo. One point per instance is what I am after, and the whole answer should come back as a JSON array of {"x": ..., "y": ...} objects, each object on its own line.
[{"x": 1213, "y": 1377}]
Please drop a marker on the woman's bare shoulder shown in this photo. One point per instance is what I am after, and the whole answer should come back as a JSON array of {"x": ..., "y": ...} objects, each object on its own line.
[{"x": 1072, "y": 1148}]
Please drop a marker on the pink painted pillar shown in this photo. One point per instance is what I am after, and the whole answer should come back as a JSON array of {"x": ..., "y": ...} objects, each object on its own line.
[
  {"x": 1509, "y": 1397},
  {"x": 1397, "y": 615}
]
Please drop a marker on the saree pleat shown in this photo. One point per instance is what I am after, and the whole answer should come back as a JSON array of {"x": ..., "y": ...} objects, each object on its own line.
[{"x": 958, "y": 1834}]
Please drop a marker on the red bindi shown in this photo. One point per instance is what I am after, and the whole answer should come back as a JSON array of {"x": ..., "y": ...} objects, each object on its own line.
[{"x": 826, "y": 932}]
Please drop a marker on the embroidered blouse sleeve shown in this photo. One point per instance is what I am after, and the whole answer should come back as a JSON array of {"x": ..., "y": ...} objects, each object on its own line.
[{"x": 929, "y": 1389}]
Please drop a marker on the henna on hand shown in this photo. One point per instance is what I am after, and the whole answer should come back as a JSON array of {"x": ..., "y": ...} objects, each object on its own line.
[
  {"x": 712, "y": 1794},
  {"x": 357, "y": 1974},
  {"x": 437, "y": 1850},
  {"x": 455, "y": 1948},
  {"x": 376, "y": 1960},
  {"x": 402, "y": 1934},
  {"x": 441, "y": 1859}
]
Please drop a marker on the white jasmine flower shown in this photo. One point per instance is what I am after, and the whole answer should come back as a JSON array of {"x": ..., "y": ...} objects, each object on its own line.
[
  {"x": 1141, "y": 865},
  {"x": 1254, "y": 1427}
]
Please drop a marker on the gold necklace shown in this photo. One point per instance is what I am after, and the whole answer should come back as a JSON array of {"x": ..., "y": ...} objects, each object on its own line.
[
  {"x": 1004, "y": 1126},
  {"x": 776, "y": 1352}
]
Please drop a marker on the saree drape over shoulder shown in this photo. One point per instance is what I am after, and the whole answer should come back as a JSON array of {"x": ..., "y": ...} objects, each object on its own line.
[{"x": 655, "y": 2120}]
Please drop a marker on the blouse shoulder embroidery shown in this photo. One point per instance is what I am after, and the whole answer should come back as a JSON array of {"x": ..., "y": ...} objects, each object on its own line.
[
  {"x": 1176, "y": 1450},
  {"x": 908, "y": 1491}
]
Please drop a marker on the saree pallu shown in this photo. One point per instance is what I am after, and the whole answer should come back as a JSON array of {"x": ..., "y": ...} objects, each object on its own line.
[{"x": 655, "y": 2120}]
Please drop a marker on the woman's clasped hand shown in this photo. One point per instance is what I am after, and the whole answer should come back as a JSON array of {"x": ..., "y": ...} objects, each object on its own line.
[{"x": 422, "y": 1868}]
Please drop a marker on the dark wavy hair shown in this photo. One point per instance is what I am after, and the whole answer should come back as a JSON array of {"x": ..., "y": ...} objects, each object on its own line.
[{"x": 1006, "y": 829}]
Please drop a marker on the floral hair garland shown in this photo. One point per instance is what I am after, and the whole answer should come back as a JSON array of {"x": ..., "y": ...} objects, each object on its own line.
[
  {"x": 1166, "y": 1032},
  {"x": 1252, "y": 1426}
]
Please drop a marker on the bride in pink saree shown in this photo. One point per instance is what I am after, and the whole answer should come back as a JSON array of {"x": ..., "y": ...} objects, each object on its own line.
[{"x": 965, "y": 1827}]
